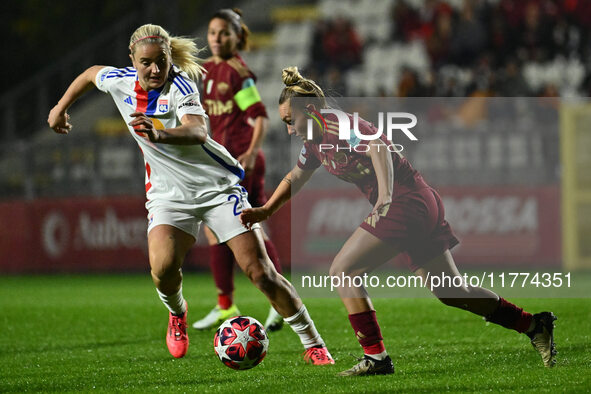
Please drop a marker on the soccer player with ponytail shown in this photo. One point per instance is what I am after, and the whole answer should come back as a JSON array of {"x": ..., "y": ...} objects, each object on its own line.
[
  {"x": 407, "y": 217},
  {"x": 190, "y": 178},
  {"x": 238, "y": 120}
]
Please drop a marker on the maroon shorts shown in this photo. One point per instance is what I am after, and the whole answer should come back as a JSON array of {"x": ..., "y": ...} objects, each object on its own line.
[
  {"x": 254, "y": 183},
  {"x": 415, "y": 224}
]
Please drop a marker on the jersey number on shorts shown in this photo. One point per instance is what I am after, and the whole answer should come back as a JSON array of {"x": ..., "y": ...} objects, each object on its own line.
[{"x": 237, "y": 204}]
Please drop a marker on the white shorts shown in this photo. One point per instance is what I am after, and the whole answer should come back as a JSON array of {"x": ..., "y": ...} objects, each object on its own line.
[{"x": 222, "y": 216}]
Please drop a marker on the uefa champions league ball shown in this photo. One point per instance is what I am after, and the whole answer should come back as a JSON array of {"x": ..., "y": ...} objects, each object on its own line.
[{"x": 241, "y": 342}]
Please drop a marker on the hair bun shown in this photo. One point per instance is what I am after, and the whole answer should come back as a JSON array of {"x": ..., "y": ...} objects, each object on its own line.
[{"x": 291, "y": 76}]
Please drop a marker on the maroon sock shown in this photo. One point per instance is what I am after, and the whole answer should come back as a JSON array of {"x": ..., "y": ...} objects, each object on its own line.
[
  {"x": 367, "y": 331},
  {"x": 376, "y": 348},
  {"x": 272, "y": 252},
  {"x": 221, "y": 262},
  {"x": 510, "y": 316},
  {"x": 225, "y": 300}
]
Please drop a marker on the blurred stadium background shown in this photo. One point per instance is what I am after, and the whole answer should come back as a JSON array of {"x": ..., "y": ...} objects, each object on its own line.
[{"x": 75, "y": 204}]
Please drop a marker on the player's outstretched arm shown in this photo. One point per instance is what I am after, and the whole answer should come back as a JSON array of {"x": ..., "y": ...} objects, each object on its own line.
[
  {"x": 58, "y": 118},
  {"x": 289, "y": 185}
]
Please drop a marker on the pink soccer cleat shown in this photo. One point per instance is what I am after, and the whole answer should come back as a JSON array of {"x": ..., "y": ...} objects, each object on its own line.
[
  {"x": 318, "y": 356},
  {"x": 177, "y": 339}
]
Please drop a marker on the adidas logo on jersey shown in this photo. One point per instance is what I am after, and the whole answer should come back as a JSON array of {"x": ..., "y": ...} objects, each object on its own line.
[{"x": 128, "y": 100}]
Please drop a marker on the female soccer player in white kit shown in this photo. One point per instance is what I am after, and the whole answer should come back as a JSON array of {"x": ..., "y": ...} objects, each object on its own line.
[{"x": 189, "y": 178}]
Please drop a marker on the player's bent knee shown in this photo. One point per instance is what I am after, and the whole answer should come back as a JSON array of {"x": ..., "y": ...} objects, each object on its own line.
[
  {"x": 164, "y": 270},
  {"x": 339, "y": 269},
  {"x": 165, "y": 262},
  {"x": 339, "y": 266},
  {"x": 335, "y": 271},
  {"x": 163, "y": 276}
]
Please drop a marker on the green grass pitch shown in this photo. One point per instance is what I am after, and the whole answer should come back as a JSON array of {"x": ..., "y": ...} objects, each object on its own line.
[{"x": 106, "y": 333}]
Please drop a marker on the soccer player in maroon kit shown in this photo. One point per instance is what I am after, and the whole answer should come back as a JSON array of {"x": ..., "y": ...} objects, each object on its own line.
[
  {"x": 407, "y": 217},
  {"x": 238, "y": 121}
]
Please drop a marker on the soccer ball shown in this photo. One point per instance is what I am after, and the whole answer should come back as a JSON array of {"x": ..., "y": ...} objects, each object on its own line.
[{"x": 241, "y": 342}]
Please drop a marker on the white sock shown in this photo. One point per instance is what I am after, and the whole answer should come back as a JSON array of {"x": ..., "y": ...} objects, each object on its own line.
[
  {"x": 174, "y": 302},
  {"x": 302, "y": 324},
  {"x": 379, "y": 356}
]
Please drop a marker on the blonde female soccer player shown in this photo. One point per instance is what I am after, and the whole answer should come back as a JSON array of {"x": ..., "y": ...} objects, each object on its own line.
[
  {"x": 407, "y": 216},
  {"x": 238, "y": 120},
  {"x": 189, "y": 177}
]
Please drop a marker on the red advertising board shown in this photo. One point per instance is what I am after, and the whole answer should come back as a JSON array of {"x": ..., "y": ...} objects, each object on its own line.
[
  {"x": 74, "y": 235},
  {"x": 506, "y": 226},
  {"x": 92, "y": 235},
  {"x": 496, "y": 225}
]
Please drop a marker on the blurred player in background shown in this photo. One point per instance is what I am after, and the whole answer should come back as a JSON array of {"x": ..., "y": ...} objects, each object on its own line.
[
  {"x": 407, "y": 217},
  {"x": 238, "y": 121},
  {"x": 189, "y": 178}
]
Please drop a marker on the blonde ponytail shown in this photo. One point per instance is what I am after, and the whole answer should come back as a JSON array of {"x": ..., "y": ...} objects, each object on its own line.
[
  {"x": 298, "y": 86},
  {"x": 291, "y": 76},
  {"x": 182, "y": 50},
  {"x": 184, "y": 54}
]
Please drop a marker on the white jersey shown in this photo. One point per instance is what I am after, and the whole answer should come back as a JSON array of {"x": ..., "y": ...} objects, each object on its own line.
[{"x": 193, "y": 174}]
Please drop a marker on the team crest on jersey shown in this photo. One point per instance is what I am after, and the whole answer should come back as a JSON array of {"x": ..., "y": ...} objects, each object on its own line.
[
  {"x": 163, "y": 105},
  {"x": 223, "y": 87}
]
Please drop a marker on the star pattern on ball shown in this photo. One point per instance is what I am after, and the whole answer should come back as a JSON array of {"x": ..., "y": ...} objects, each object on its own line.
[
  {"x": 241, "y": 342},
  {"x": 242, "y": 336}
]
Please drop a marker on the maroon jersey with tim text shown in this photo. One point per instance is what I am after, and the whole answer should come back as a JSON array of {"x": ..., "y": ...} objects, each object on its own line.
[
  {"x": 231, "y": 102},
  {"x": 356, "y": 166}
]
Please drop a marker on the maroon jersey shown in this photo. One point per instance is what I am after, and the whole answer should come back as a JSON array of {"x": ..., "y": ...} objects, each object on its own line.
[
  {"x": 414, "y": 222},
  {"x": 350, "y": 163},
  {"x": 232, "y": 102}
]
